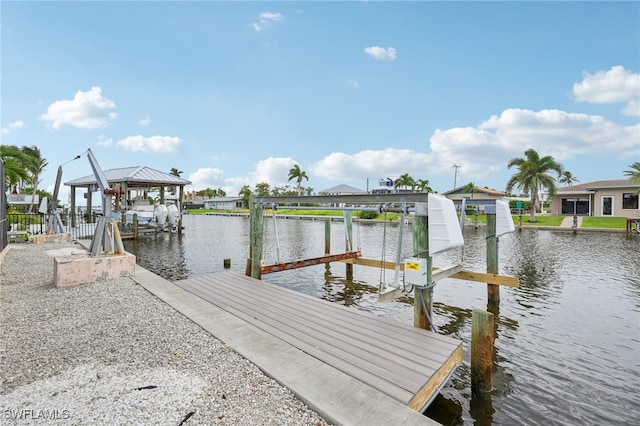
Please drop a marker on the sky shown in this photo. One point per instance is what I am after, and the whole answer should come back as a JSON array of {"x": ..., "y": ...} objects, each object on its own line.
[{"x": 237, "y": 93}]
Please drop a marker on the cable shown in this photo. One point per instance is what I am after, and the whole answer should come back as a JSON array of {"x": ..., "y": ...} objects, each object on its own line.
[{"x": 428, "y": 313}]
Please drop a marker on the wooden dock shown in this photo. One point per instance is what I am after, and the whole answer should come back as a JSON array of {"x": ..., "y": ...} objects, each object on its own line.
[{"x": 405, "y": 363}]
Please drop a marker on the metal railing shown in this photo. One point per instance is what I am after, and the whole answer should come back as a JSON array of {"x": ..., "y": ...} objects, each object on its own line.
[{"x": 21, "y": 225}]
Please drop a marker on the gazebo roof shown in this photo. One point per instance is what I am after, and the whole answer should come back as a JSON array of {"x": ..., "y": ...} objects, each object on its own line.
[{"x": 136, "y": 176}]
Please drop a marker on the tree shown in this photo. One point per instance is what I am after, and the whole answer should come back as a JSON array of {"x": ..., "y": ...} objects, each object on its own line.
[
  {"x": 532, "y": 176},
  {"x": 404, "y": 181},
  {"x": 35, "y": 165},
  {"x": 297, "y": 174},
  {"x": 15, "y": 169},
  {"x": 634, "y": 174},
  {"x": 568, "y": 178},
  {"x": 175, "y": 172},
  {"x": 469, "y": 188},
  {"x": 262, "y": 189},
  {"x": 422, "y": 185},
  {"x": 245, "y": 192}
]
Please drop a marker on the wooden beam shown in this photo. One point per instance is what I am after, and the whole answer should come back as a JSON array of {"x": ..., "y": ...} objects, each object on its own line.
[
  {"x": 372, "y": 262},
  {"x": 482, "y": 277},
  {"x": 505, "y": 280},
  {"x": 283, "y": 266},
  {"x": 426, "y": 394}
]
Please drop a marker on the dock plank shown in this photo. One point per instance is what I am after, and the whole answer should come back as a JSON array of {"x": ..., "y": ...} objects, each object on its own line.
[{"x": 401, "y": 361}]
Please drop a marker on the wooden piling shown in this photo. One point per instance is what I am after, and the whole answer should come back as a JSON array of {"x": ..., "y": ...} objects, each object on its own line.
[
  {"x": 493, "y": 291},
  {"x": 327, "y": 236},
  {"x": 135, "y": 226},
  {"x": 420, "y": 228},
  {"x": 348, "y": 244},
  {"x": 482, "y": 338},
  {"x": 256, "y": 222}
]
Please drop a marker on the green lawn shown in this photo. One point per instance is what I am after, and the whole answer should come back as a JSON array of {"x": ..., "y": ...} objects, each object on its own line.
[
  {"x": 541, "y": 220},
  {"x": 604, "y": 222}
]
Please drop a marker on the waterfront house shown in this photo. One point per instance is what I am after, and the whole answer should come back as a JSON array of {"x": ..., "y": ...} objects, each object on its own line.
[
  {"x": 223, "y": 203},
  {"x": 479, "y": 197},
  {"x": 604, "y": 198},
  {"x": 342, "y": 190}
]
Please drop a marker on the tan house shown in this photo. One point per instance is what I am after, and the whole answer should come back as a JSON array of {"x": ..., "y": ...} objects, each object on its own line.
[
  {"x": 479, "y": 196},
  {"x": 617, "y": 197}
]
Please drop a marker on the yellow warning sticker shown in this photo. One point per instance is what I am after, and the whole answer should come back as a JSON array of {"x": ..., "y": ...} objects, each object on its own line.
[{"x": 412, "y": 266}]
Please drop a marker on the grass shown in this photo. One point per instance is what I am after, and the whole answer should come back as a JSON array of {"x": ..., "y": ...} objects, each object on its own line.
[
  {"x": 604, "y": 222},
  {"x": 541, "y": 220}
]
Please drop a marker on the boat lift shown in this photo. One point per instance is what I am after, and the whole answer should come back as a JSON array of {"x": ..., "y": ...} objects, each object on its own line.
[
  {"x": 444, "y": 231},
  {"x": 106, "y": 238}
]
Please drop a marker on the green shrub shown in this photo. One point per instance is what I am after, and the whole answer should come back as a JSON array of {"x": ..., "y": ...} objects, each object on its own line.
[{"x": 368, "y": 214}]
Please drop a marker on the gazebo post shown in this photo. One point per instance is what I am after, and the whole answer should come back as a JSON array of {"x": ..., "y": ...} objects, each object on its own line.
[
  {"x": 73, "y": 207},
  {"x": 180, "y": 200}
]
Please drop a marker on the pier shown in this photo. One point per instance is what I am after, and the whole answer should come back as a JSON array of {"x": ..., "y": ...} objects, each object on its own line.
[{"x": 404, "y": 363}]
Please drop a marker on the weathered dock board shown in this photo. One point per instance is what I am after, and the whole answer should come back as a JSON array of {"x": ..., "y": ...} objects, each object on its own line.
[{"x": 403, "y": 362}]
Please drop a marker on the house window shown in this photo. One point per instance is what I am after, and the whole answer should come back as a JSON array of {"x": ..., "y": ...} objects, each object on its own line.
[
  {"x": 575, "y": 206},
  {"x": 630, "y": 201}
]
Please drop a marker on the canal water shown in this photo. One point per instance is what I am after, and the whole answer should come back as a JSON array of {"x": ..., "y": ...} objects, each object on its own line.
[{"x": 567, "y": 348}]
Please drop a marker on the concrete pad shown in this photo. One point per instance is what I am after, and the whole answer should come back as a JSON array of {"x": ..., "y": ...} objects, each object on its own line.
[
  {"x": 77, "y": 269},
  {"x": 51, "y": 238}
]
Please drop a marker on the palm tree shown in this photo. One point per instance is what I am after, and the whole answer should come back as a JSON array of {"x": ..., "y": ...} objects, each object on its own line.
[
  {"x": 422, "y": 185},
  {"x": 404, "y": 181},
  {"x": 35, "y": 166},
  {"x": 175, "y": 172},
  {"x": 297, "y": 174},
  {"x": 469, "y": 188},
  {"x": 568, "y": 178},
  {"x": 634, "y": 174},
  {"x": 15, "y": 169},
  {"x": 532, "y": 176}
]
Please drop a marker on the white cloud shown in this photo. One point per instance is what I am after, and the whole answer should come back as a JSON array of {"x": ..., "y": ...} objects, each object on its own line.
[
  {"x": 486, "y": 149},
  {"x": 161, "y": 144},
  {"x": 613, "y": 86},
  {"x": 145, "y": 121},
  {"x": 380, "y": 53},
  {"x": 266, "y": 19},
  {"x": 12, "y": 126},
  {"x": 104, "y": 141},
  {"x": 273, "y": 170},
  {"x": 87, "y": 110},
  {"x": 374, "y": 164},
  {"x": 207, "y": 177}
]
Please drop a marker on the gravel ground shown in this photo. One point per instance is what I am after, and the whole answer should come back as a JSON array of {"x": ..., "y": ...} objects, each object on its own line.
[{"x": 112, "y": 353}]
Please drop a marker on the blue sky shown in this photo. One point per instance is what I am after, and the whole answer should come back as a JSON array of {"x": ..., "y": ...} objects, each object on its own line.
[{"x": 235, "y": 93}]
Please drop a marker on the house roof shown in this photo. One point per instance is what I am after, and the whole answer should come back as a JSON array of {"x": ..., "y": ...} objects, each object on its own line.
[
  {"x": 136, "y": 176},
  {"x": 342, "y": 189},
  {"x": 599, "y": 184},
  {"x": 478, "y": 190}
]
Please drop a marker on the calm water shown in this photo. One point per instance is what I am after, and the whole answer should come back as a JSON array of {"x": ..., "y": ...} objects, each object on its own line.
[{"x": 568, "y": 340}]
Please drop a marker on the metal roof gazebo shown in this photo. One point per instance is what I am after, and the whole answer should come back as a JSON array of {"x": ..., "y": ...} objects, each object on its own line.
[{"x": 131, "y": 178}]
